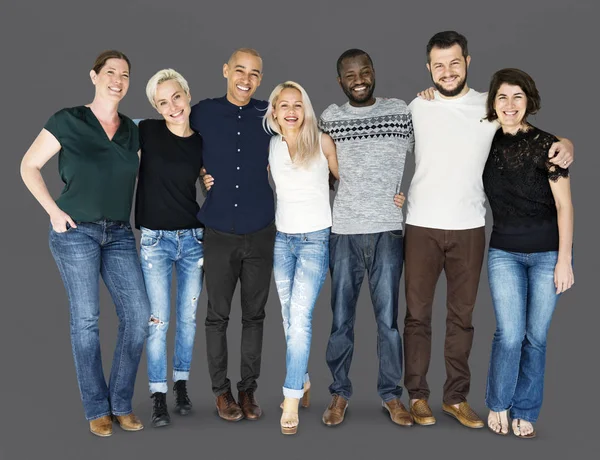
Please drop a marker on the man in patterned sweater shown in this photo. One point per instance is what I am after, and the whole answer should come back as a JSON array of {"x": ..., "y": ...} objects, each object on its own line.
[{"x": 373, "y": 137}]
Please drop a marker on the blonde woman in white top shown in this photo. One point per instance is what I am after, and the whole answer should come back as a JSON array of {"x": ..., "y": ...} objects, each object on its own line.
[{"x": 300, "y": 159}]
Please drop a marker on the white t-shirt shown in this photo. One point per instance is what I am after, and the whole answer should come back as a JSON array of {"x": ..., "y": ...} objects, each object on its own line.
[
  {"x": 302, "y": 191},
  {"x": 452, "y": 143}
]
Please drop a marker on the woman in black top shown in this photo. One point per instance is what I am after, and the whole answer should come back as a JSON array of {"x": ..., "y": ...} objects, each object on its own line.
[
  {"x": 90, "y": 236},
  {"x": 530, "y": 254},
  {"x": 165, "y": 212}
]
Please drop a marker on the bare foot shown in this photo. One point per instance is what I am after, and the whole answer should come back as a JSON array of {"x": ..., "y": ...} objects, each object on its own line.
[
  {"x": 305, "y": 389},
  {"x": 498, "y": 422},
  {"x": 522, "y": 427}
]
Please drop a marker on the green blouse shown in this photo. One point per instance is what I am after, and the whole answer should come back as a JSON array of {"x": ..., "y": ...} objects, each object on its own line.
[{"x": 99, "y": 173}]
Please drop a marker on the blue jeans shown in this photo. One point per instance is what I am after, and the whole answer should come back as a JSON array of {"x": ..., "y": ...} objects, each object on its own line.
[
  {"x": 82, "y": 254},
  {"x": 300, "y": 267},
  {"x": 524, "y": 297},
  {"x": 160, "y": 249},
  {"x": 381, "y": 255}
]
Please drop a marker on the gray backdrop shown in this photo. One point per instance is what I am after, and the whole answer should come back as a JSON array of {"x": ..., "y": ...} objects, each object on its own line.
[{"x": 48, "y": 48}]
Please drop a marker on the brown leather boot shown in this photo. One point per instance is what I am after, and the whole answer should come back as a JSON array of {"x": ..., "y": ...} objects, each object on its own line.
[
  {"x": 129, "y": 422},
  {"x": 334, "y": 414},
  {"x": 421, "y": 412},
  {"x": 249, "y": 405},
  {"x": 228, "y": 409},
  {"x": 398, "y": 412},
  {"x": 101, "y": 426},
  {"x": 464, "y": 414}
]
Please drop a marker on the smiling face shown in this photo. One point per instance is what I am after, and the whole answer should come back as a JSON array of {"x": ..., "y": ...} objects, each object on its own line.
[
  {"x": 357, "y": 79},
  {"x": 289, "y": 110},
  {"x": 243, "y": 73},
  {"x": 510, "y": 105},
  {"x": 112, "y": 80},
  {"x": 448, "y": 70},
  {"x": 172, "y": 102}
]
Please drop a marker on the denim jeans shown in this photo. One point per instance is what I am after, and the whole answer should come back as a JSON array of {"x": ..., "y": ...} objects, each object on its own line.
[
  {"x": 300, "y": 267},
  {"x": 381, "y": 255},
  {"x": 524, "y": 297},
  {"x": 160, "y": 249},
  {"x": 83, "y": 254}
]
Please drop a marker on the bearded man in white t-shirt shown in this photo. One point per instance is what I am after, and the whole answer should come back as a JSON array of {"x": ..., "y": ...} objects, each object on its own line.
[{"x": 445, "y": 224}]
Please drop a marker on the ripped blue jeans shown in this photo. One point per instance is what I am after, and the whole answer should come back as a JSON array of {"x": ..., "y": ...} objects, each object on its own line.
[
  {"x": 160, "y": 250},
  {"x": 300, "y": 264}
]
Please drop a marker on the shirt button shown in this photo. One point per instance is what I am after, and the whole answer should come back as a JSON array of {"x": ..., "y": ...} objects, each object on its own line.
[
  {"x": 237, "y": 167},
  {"x": 237, "y": 186},
  {"x": 238, "y": 133},
  {"x": 239, "y": 116},
  {"x": 239, "y": 150},
  {"x": 235, "y": 205}
]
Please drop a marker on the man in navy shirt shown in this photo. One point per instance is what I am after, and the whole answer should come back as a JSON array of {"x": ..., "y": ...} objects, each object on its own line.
[{"x": 238, "y": 213}]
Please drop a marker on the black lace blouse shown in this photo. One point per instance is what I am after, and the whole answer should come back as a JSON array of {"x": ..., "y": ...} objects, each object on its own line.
[{"x": 515, "y": 180}]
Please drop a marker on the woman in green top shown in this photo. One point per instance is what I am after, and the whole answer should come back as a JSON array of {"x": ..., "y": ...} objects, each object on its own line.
[{"x": 90, "y": 236}]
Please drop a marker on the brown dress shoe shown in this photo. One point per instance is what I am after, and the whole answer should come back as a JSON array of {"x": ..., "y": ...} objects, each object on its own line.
[
  {"x": 464, "y": 414},
  {"x": 421, "y": 412},
  {"x": 101, "y": 426},
  {"x": 334, "y": 414},
  {"x": 228, "y": 409},
  {"x": 129, "y": 422},
  {"x": 398, "y": 412},
  {"x": 249, "y": 405}
]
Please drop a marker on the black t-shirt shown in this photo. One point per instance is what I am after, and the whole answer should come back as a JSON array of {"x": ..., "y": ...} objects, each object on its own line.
[
  {"x": 169, "y": 169},
  {"x": 515, "y": 180}
]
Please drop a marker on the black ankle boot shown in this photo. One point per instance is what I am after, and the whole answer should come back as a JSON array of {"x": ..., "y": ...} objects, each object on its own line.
[
  {"x": 160, "y": 414},
  {"x": 183, "y": 405}
]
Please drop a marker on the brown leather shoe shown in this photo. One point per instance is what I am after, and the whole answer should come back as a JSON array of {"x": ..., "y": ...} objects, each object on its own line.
[
  {"x": 421, "y": 412},
  {"x": 101, "y": 426},
  {"x": 129, "y": 422},
  {"x": 249, "y": 405},
  {"x": 464, "y": 414},
  {"x": 398, "y": 412},
  {"x": 228, "y": 409},
  {"x": 334, "y": 414}
]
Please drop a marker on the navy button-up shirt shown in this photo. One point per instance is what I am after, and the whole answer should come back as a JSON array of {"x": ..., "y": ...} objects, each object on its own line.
[{"x": 236, "y": 154}]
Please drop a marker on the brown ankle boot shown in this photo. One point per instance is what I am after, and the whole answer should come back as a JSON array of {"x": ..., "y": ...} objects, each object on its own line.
[
  {"x": 334, "y": 414},
  {"x": 101, "y": 426},
  {"x": 249, "y": 405},
  {"x": 228, "y": 409},
  {"x": 129, "y": 422}
]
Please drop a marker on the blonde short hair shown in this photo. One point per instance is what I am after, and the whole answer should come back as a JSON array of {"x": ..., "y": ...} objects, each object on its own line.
[{"x": 162, "y": 76}]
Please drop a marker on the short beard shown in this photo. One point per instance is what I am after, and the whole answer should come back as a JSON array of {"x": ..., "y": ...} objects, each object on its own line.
[
  {"x": 350, "y": 96},
  {"x": 454, "y": 92}
]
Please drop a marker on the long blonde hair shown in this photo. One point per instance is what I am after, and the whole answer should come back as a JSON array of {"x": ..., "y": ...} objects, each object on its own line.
[{"x": 308, "y": 141}]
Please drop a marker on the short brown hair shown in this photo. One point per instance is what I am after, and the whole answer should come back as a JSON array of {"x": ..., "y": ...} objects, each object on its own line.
[
  {"x": 518, "y": 78},
  {"x": 105, "y": 56}
]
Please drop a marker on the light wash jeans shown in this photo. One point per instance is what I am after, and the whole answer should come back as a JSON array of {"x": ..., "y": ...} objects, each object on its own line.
[
  {"x": 524, "y": 297},
  {"x": 83, "y": 254},
  {"x": 160, "y": 249},
  {"x": 300, "y": 267}
]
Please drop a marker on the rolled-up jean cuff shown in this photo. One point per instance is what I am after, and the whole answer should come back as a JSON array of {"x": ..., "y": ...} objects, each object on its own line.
[
  {"x": 289, "y": 393},
  {"x": 181, "y": 375},
  {"x": 158, "y": 387}
]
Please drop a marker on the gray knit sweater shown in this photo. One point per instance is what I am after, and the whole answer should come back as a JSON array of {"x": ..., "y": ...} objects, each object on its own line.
[{"x": 372, "y": 144}]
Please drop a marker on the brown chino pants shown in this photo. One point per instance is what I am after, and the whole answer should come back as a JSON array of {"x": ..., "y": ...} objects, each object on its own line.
[{"x": 460, "y": 254}]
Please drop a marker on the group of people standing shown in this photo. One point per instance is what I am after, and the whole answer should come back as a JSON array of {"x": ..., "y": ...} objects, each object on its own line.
[{"x": 466, "y": 145}]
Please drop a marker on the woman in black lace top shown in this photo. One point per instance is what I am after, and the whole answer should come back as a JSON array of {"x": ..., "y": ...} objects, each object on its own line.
[{"x": 529, "y": 259}]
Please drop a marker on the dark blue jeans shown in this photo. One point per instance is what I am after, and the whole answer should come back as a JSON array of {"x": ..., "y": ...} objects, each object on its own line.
[
  {"x": 82, "y": 254},
  {"x": 381, "y": 255}
]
